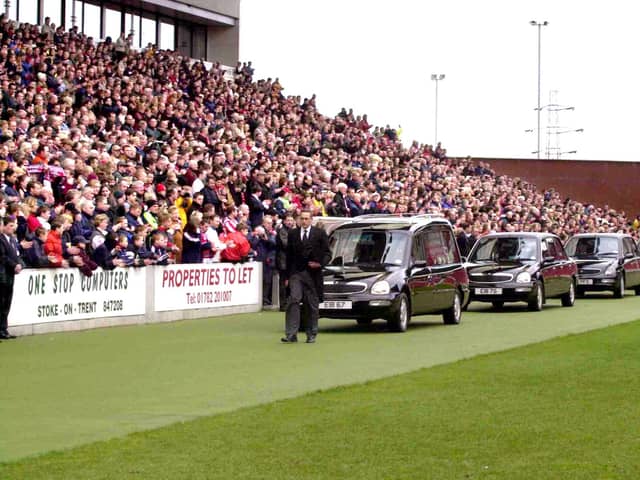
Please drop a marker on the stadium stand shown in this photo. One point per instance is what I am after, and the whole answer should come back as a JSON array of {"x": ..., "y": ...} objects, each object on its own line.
[{"x": 115, "y": 148}]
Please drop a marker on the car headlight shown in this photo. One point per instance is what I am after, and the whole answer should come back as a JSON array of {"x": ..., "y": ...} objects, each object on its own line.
[
  {"x": 611, "y": 269},
  {"x": 380, "y": 288},
  {"x": 523, "y": 277}
]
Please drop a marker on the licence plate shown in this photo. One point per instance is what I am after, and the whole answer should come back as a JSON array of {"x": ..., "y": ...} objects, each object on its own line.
[
  {"x": 585, "y": 281},
  {"x": 488, "y": 291},
  {"x": 336, "y": 305}
]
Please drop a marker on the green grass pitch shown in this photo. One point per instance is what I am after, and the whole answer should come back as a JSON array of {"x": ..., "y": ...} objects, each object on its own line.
[{"x": 561, "y": 409}]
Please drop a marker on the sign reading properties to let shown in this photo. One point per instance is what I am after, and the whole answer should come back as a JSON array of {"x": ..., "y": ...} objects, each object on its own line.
[
  {"x": 53, "y": 295},
  {"x": 189, "y": 286}
]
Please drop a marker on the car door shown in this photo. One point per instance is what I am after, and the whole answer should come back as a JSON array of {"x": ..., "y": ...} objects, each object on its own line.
[
  {"x": 549, "y": 267},
  {"x": 419, "y": 279},
  {"x": 631, "y": 261},
  {"x": 446, "y": 260},
  {"x": 566, "y": 268}
]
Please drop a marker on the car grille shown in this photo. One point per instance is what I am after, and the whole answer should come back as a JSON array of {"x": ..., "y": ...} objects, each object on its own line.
[
  {"x": 344, "y": 288},
  {"x": 589, "y": 271},
  {"x": 491, "y": 278}
]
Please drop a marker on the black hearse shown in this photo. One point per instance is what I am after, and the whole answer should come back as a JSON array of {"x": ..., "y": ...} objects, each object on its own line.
[{"x": 393, "y": 267}]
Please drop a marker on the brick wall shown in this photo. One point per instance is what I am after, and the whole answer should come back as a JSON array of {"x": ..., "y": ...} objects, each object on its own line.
[{"x": 616, "y": 184}]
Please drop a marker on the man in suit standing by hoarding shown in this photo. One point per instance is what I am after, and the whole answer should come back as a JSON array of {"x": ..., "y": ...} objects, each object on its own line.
[
  {"x": 307, "y": 252},
  {"x": 10, "y": 265}
]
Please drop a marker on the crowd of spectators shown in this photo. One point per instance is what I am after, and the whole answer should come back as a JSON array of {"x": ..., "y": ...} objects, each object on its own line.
[{"x": 115, "y": 157}]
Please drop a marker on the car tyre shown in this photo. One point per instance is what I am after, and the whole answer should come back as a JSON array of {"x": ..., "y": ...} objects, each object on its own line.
[
  {"x": 453, "y": 314},
  {"x": 618, "y": 292},
  {"x": 569, "y": 298},
  {"x": 498, "y": 305},
  {"x": 535, "y": 304},
  {"x": 400, "y": 319}
]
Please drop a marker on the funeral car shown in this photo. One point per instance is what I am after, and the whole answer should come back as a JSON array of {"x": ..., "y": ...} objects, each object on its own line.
[
  {"x": 393, "y": 268},
  {"x": 606, "y": 262},
  {"x": 521, "y": 267}
]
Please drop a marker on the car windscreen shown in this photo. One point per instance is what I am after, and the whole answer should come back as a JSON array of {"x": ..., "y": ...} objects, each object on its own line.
[
  {"x": 584, "y": 247},
  {"x": 504, "y": 249},
  {"x": 366, "y": 247}
]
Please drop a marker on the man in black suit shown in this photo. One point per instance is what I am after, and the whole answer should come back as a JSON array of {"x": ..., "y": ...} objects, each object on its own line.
[
  {"x": 256, "y": 208},
  {"x": 307, "y": 252},
  {"x": 282, "y": 239},
  {"x": 465, "y": 239},
  {"x": 10, "y": 265}
]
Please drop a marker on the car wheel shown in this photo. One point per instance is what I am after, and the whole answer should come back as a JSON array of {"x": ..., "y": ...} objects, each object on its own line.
[
  {"x": 535, "y": 304},
  {"x": 618, "y": 292},
  {"x": 498, "y": 305},
  {"x": 569, "y": 298},
  {"x": 400, "y": 319},
  {"x": 453, "y": 314},
  {"x": 364, "y": 321}
]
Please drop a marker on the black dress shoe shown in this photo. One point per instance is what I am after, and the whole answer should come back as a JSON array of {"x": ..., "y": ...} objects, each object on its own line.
[
  {"x": 311, "y": 339},
  {"x": 289, "y": 339},
  {"x": 7, "y": 336}
]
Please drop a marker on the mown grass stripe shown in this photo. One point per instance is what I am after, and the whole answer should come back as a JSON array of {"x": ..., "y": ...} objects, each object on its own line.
[{"x": 559, "y": 409}]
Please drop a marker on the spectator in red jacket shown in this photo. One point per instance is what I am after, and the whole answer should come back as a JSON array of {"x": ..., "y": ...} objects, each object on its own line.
[
  {"x": 39, "y": 219},
  {"x": 53, "y": 244},
  {"x": 238, "y": 246}
]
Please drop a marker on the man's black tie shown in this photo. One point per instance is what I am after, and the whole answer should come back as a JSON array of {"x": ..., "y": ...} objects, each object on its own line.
[{"x": 305, "y": 235}]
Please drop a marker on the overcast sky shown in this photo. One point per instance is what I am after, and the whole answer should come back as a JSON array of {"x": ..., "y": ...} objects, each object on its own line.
[{"x": 377, "y": 58}]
